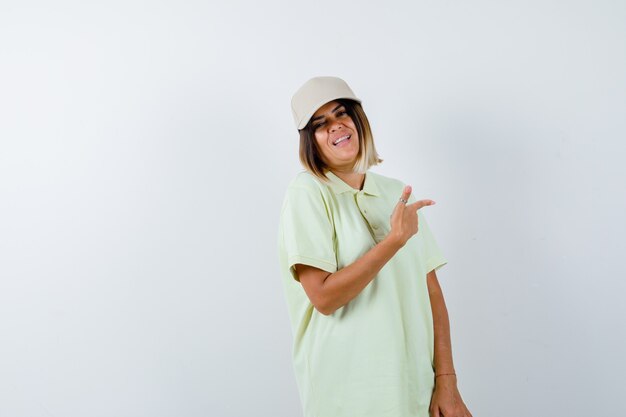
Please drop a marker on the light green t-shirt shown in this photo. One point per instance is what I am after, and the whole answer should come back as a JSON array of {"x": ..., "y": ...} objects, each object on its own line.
[{"x": 373, "y": 357}]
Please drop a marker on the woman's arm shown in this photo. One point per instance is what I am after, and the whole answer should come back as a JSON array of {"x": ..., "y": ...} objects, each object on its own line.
[
  {"x": 328, "y": 292},
  {"x": 441, "y": 323},
  {"x": 446, "y": 398}
]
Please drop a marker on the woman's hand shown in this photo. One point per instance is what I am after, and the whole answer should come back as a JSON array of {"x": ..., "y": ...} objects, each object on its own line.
[
  {"x": 446, "y": 400},
  {"x": 404, "y": 218}
]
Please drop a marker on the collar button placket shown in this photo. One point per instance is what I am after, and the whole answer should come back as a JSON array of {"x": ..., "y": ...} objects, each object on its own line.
[
  {"x": 361, "y": 196},
  {"x": 358, "y": 198},
  {"x": 360, "y": 202}
]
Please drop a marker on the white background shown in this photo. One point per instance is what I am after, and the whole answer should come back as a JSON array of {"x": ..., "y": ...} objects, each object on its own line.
[{"x": 145, "y": 147}]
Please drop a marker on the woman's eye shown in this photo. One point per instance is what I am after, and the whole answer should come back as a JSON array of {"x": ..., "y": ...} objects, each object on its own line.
[{"x": 340, "y": 114}]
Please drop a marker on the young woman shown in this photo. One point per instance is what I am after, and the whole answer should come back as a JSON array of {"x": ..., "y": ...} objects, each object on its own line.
[{"x": 358, "y": 261}]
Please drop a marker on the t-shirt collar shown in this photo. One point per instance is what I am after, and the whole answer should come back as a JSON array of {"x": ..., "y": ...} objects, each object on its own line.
[{"x": 340, "y": 186}]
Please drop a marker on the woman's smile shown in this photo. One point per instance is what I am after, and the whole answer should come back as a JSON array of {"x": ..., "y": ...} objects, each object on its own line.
[
  {"x": 342, "y": 141},
  {"x": 341, "y": 146}
]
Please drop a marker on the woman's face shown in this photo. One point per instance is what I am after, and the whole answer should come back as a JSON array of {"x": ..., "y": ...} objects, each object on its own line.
[{"x": 331, "y": 124}]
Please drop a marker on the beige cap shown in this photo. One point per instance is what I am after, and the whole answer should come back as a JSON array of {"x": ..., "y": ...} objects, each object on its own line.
[{"x": 314, "y": 94}]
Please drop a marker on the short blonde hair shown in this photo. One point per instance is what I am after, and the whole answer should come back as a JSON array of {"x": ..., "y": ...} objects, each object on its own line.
[{"x": 310, "y": 155}]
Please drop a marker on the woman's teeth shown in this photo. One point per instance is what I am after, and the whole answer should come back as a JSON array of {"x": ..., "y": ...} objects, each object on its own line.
[{"x": 342, "y": 139}]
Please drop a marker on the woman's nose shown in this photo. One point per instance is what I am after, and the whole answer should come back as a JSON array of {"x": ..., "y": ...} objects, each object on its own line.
[{"x": 335, "y": 125}]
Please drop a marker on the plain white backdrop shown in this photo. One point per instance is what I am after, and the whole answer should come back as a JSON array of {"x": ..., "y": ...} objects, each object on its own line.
[{"x": 145, "y": 148}]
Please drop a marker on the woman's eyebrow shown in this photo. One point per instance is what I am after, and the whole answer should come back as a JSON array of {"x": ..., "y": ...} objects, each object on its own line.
[{"x": 321, "y": 117}]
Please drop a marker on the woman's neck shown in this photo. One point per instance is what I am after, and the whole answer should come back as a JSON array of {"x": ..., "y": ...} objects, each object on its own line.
[{"x": 353, "y": 179}]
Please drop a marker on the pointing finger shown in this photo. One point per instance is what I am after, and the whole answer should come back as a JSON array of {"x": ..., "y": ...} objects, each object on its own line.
[{"x": 421, "y": 203}]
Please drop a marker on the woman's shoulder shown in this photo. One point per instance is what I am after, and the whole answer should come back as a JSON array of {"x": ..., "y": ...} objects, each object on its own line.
[
  {"x": 305, "y": 191},
  {"x": 305, "y": 179}
]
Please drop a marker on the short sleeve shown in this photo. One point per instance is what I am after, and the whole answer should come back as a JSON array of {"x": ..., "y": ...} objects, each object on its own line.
[
  {"x": 308, "y": 232},
  {"x": 428, "y": 249}
]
